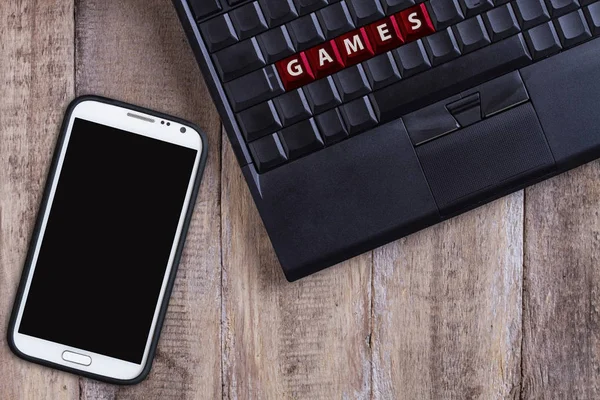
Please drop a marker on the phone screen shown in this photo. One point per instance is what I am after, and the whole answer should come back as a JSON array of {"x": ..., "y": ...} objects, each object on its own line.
[{"x": 107, "y": 241}]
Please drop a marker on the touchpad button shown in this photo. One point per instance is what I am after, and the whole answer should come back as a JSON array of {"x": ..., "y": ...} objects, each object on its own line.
[{"x": 479, "y": 161}]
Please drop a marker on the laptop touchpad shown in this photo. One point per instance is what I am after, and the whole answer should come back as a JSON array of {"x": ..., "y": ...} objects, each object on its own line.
[{"x": 480, "y": 161}]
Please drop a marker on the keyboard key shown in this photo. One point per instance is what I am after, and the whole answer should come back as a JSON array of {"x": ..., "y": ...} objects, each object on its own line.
[
  {"x": 248, "y": 20},
  {"x": 384, "y": 35},
  {"x": 295, "y": 71},
  {"x": 451, "y": 78},
  {"x": 572, "y": 29},
  {"x": 306, "y": 32},
  {"x": 331, "y": 126},
  {"x": 531, "y": 12},
  {"x": 354, "y": 47},
  {"x": 335, "y": 20},
  {"x": 415, "y": 23},
  {"x": 301, "y": 139},
  {"x": 235, "y": 2},
  {"x": 218, "y": 33},
  {"x": 543, "y": 41},
  {"x": 501, "y": 22},
  {"x": 278, "y": 12},
  {"x": 259, "y": 121},
  {"x": 322, "y": 95},
  {"x": 254, "y": 88},
  {"x": 352, "y": 83},
  {"x": 324, "y": 59},
  {"x": 365, "y": 11},
  {"x": 276, "y": 44},
  {"x": 441, "y": 47},
  {"x": 474, "y": 7},
  {"x": 267, "y": 152},
  {"x": 204, "y": 8},
  {"x": 471, "y": 35},
  {"x": 561, "y": 7},
  {"x": 308, "y": 6},
  {"x": 412, "y": 59},
  {"x": 239, "y": 59},
  {"x": 445, "y": 13},
  {"x": 382, "y": 70},
  {"x": 592, "y": 14},
  {"x": 359, "y": 115},
  {"x": 292, "y": 107},
  {"x": 393, "y": 6}
]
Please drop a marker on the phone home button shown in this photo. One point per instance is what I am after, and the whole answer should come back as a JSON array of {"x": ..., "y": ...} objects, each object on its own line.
[{"x": 76, "y": 358}]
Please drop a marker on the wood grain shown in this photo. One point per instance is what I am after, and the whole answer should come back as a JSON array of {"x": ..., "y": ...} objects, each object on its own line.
[
  {"x": 36, "y": 76},
  {"x": 303, "y": 340},
  {"x": 561, "y": 347},
  {"x": 447, "y": 308},
  {"x": 136, "y": 51}
]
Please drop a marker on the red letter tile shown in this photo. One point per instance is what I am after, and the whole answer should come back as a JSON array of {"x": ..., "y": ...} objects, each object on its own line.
[
  {"x": 415, "y": 22},
  {"x": 324, "y": 59},
  {"x": 385, "y": 35},
  {"x": 354, "y": 47},
  {"x": 295, "y": 71}
]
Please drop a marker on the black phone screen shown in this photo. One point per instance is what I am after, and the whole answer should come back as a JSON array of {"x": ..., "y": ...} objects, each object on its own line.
[{"x": 107, "y": 241}]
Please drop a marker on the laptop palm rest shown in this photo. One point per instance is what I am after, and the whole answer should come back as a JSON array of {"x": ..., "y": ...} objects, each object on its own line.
[{"x": 480, "y": 161}]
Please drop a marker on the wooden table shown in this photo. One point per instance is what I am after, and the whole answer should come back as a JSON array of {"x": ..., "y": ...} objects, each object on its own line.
[{"x": 501, "y": 302}]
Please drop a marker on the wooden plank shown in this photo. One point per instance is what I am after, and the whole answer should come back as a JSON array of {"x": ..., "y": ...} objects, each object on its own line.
[
  {"x": 36, "y": 76},
  {"x": 136, "y": 51},
  {"x": 447, "y": 308},
  {"x": 302, "y": 340},
  {"x": 561, "y": 346}
]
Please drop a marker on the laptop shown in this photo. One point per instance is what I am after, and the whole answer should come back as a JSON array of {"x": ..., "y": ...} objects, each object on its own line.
[{"x": 358, "y": 122}]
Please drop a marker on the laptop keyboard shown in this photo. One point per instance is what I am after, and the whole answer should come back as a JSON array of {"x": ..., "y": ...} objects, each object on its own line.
[{"x": 302, "y": 75}]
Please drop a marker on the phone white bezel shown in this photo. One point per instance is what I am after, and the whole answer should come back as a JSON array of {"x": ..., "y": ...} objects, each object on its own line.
[{"x": 133, "y": 122}]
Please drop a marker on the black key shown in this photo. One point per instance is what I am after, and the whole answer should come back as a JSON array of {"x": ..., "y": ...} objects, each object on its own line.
[
  {"x": 218, "y": 33},
  {"x": 393, "y": 6},
  {"x": 248, "y": 20},
  {"x": 235, "y": 2},
  {"x": 501, "y": 22},
  {"x": 531, "y": 12},
  {"x": 301, "y": 139},
  {"x": 500, "y": 2},
  {"x": 572, "y": 29},
  {"x": 331, "y": 126},
  {"x": 278, "y": 12},
  {"x": 308, "y": 6},
  {"x": 239, "y": 59},
  {"x": 276, "y": 44},
  {"x": 382, "y": 70},
  {"x": 254, "y": 88},
  {"x": 441, "y": 47},
  {"x": 412, "y": 58},
  {"x": 352, "y": 83},
  {"x": 292, "y": 107},
  {"x": 561, "y": 7},
  {"x": 259, "y": 121},
  {"x": 359, "y": 115},
  {"x": 445, "y": 13},
  {"x": 335, "y": 20},
  {"x": 471, "y": 35},
  {"x": 593, "y": 16},
  {"x": 365, "y": 11},
  {"x": 203, "y": 8},
  {"x": 543, "y": 41},
  {"x": 474, "y": 7},
  {"x": 451, "y": 78},
  {"x": 306, "y": 32},
  {"x": 267, "y": 152},
  {"x": 322, "y": 95}
]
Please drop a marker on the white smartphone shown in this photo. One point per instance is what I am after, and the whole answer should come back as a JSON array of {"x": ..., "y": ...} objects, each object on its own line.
[{"x": 108, "y": 238}]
